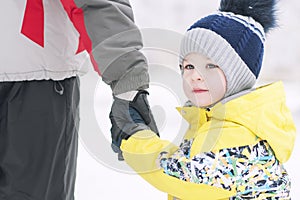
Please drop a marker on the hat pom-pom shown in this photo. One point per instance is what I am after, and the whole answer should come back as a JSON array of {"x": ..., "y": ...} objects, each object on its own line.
[{"x": 262, "y": 11}]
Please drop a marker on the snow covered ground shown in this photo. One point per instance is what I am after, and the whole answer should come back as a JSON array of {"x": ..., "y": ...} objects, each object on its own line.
[{"x": 99, "y": 175}]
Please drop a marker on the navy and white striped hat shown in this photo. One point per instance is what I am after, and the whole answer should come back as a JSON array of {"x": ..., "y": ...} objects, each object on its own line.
[{"x": 234, "y": 39}]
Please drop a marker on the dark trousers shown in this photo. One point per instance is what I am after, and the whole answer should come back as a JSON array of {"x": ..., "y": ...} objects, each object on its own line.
[{"x": 38, "y": 139}]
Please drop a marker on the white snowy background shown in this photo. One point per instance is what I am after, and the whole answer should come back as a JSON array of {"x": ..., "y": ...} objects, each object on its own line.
[{"x": 99, "y": 175}]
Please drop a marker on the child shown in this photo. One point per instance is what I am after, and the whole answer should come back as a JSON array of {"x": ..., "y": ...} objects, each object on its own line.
[{"x": 238, "y": 137}]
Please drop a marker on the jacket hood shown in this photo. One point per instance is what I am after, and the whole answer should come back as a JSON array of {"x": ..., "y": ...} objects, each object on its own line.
[{"x": 262, "y": 111}]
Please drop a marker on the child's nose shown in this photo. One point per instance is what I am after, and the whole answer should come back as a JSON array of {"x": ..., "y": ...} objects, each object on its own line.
[{"x": 197, "y": 76}]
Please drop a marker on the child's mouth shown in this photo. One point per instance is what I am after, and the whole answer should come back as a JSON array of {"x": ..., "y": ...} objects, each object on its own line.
[{"x": 199, "y": 91}]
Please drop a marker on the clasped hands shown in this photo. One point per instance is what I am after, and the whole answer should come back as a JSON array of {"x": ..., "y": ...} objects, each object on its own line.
[{"x": 129, "y": 117}]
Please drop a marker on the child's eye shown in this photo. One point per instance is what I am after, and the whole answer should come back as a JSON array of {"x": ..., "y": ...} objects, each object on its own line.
[
  {"x": 211, "y": 66},
  {"x": 189, "y": 66}
]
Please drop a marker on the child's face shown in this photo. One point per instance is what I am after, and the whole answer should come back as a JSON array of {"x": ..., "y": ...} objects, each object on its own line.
[{"x": 204, "y": 82}]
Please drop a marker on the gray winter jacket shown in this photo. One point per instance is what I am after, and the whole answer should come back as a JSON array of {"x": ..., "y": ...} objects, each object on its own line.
[{"x": 58, "y": 39}]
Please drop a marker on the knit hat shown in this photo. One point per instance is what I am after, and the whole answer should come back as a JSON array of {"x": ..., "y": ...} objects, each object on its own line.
[{"x": 234, "y": 39}]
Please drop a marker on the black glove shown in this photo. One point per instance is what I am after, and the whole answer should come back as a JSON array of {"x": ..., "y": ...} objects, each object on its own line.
[{"x": 129, "y": 117}]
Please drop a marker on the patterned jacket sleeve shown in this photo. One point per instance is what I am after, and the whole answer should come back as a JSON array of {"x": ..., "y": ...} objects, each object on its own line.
[
  {"x": 166, "y": 167},
  {"x": 116, "y": 44}
]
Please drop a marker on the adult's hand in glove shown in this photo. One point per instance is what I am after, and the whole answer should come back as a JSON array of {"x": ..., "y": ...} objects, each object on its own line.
[{"x": 129, "y": 117}]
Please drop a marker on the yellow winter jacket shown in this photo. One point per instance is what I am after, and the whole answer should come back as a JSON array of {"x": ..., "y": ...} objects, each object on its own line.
[{"x": 259, "y": 115}]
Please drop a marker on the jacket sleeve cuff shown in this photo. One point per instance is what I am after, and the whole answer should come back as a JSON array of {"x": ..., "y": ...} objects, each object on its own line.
[{"x": 141, "y": 151}]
